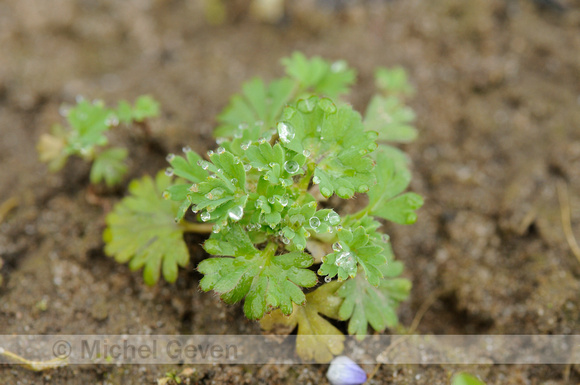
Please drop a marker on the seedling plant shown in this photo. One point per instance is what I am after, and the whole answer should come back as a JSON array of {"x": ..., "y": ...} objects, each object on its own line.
[{"x": 271, "y": 195}]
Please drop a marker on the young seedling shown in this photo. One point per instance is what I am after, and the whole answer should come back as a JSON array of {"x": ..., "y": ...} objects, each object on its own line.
[
  {"x": 284, "y": 149},
  {"x": 86, "y": 136}
]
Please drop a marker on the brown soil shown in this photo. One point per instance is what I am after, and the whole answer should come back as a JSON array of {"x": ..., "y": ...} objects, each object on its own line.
[{"x": 498, "y": 103}]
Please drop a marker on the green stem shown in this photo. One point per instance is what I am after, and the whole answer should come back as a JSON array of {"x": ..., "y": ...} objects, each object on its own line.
[
  {"x": 270, "y": 249},
  {"x": 200, "y": 228}
]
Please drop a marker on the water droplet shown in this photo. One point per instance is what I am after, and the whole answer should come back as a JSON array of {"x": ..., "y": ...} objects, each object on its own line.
[
  {"x": 170, "y": 157},
  {"x": 112, "y": 121},
  {"x": 262, "y": 140},
  {"x": 385, "y": 238},
  {"x": 247, "y": 167},
  {"x": 314, "y": 222},
  {"x": 327, "y": 105},
  {"x": 166, "y": 195},
  {"x": 246, "y": 145},
  {"x": 220, "y": 140},
  {"x": 339, "y": 228},
  {"x": 291, "y": 167},
  {"x": 243, "y": 126},
  {"x": 205, "y": 216},
  {"x": 236, "y": 213},
  {"x": 194, "y": 188},
  {"x": 169, "y": 171},
  {"x": 316, "y": 180},
  {"x": 210, "y": 153},
  {"x": 285, "y": 240},
  {"x": 306, "y": 153},
  {"x": 363, "y": 188},
  {"x": 238, "y": 135},
  {"x": 210, "y": 208},
  {"x": 338, "y": 66},
  {"x": 327, "y": 279},
  {"x": 220, "y": 150},
  {"x": 234, "y": 181},
  {"x": 286, "y": 132},
  {"x": 271, "y": 200},
  {"x": 346, "y": 261},
  {"x": 266, "y": 177},
  {"x": 186, "y": 149},
  {"x": 283, "y": 201},
  {"x": 272, "y": 164},
  {"x": 337, "y": 246},
  {"x": 306, "y": 105},
  {"x": 203, "y": 164},
  {"x": 326, "y": 192},
  {"x": 79, "y": 99}
]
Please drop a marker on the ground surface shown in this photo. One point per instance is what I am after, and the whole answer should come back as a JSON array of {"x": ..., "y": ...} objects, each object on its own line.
[{"x": 498, "y": 107}]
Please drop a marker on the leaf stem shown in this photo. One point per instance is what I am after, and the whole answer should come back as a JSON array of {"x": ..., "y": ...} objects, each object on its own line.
[
  {"x": 36, "y": 366},
  {"x": 200, "y": 228}
]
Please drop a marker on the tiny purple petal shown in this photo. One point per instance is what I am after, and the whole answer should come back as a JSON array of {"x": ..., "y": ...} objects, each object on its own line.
[{"x": 344, "y": 371}]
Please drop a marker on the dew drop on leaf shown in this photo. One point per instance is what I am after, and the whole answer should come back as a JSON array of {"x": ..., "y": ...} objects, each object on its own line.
[
  {"x": 346, "y": 261},
  {"x": 210, "y": 153},
  {"x": 285, "y": 240},
  {"x": 337, "y": 246},
  {"x": 170, "y": 157},
  {"x": 220, "y": 150},
  {"x": 247, "y": 167},
  {"x": 236, "y": 213},
  {"x": 205, "y": 216},
  {"x": 283, "y": 201},
  {"x": 186, "y": 149},
  {"x": 194, "y": 188},
  {"x": 286, "y": 132},
  {"x": 314, "y": 222},
  {"x": 166, "y": 195},
  {"x": 327, "y": 279},
  {"x": 306, "y": 153},
  {"x": 306, "y": 105},
  {"x": 169, "y": 171},
  {"x": 246, "y": 145},
  {"x": 262, "y": 140},
  {"x": 327, "y": 105},
  {"x": 203, "y": 164},
  {"x": 316, "y": 180},
  {"x": 291, "y": 167}
]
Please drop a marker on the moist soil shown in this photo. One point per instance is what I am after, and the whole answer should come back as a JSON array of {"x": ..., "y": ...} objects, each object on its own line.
[{"x": 498, "y": 106}]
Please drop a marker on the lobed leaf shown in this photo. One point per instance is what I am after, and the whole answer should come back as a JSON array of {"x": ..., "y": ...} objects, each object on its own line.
[
  {"x": 317, "y": 339},
  {"x": 266, "y": 281},
  {"x": 141, "y": 230},
  {"x": 109, "y": 166},
  {"x": 384, "y": 198}
]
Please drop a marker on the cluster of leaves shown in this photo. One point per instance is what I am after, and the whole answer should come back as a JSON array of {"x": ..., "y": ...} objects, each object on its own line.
[
  {"x": 285, "y": 148},
  {"x": 86, "y": 136}
]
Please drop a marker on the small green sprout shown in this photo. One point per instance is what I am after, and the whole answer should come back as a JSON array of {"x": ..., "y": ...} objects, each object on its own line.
[
  {"x": 284, "y": 150},
  {"x": 86, "y": 137}
]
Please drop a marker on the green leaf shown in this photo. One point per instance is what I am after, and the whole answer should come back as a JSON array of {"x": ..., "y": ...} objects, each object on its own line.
[
  {"x": 265, "y": 280},
  {"x": 365, "y": 304},
  {"x": 145, "y": 107},
  {"x": 337, "y": 143},
  {"x": 466, "y": 379},
  {"x": 89, "y": 122},
  {"x": 253, "y": 111},
  {"x": 355, "y": 248},
  {"x": 141, "y": 230},
  {"x": 317, "y": 338},
  {"x": 391, "y": 119},
  {"x": 109, "y": 166},
  {"x": 393, "y": 81},
  {"x": 318, "y": 75},
  {"x": 384, "y": 198}
]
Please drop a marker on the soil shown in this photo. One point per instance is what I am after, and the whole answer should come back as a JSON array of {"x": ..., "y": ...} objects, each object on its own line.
[{"x": 498, "y": 105}]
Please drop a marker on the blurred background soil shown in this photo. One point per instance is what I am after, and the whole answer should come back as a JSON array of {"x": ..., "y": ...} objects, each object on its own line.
[{"x": 498, "y": 105}]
